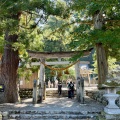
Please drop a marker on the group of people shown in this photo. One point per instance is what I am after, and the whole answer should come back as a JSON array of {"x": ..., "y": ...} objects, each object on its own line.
[
  {"x": 53, "y": 85},
  {"x": 70, "y": 86}
]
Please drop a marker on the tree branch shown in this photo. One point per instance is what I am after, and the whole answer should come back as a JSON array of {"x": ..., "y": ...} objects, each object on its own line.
[{"x": 68, "y": 24}]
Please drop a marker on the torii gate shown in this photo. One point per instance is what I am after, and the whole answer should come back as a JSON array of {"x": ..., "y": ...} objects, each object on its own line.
[{"x": 45, "y": 55}]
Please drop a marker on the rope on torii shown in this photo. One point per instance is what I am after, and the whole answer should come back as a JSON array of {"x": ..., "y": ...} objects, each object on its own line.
[{"x": 59, "y": 69}]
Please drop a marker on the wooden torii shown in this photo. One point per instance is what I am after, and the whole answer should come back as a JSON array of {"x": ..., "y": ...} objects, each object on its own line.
[{"x": 42, "y": 56}]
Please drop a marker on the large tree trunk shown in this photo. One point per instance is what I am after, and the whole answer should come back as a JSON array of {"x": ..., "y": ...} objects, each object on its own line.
[
  {"x": 9, "y": 66},
  {"x": 100, "y": 50},
  {"x": 101, "y": 63}
]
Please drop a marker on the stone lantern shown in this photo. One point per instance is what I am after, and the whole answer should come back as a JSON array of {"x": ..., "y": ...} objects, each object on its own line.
[{"x": 110, "y": 85}]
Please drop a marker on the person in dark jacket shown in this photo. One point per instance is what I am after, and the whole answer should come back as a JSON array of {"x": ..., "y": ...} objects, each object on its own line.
[
  {"x": 68, "y": 89},
  {"x": 71, "y": 89},
  {"x": 59, "y": 88}
]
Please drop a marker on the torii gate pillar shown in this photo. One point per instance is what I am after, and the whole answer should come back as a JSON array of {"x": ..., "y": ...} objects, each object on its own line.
[
  {"x": 77, "y": 71},
  {"x": 41, "y": 81}
]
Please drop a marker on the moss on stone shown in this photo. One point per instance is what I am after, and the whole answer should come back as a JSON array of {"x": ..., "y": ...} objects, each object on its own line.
[
  {"x": 118, "y": 92},
  {"x": 112, "y": 83}
]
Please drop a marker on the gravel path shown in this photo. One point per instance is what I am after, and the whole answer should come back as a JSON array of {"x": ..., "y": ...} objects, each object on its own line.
[{"x": 61, "y": 103}]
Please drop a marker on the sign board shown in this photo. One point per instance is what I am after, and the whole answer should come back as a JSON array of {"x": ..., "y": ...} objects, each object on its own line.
[{"x": 2, "y": 88}]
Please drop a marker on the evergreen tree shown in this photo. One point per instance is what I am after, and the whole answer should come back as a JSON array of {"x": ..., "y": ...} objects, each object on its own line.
[{"x": 12, "y": 17}]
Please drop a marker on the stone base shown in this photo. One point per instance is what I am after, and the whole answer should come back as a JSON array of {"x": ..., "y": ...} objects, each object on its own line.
[
  {"x": 112, "y": 117},
  {"x": 115, "y": 111}
]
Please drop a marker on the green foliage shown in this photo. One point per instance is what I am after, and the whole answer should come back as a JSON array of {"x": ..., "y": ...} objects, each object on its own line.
[
  {"x": 55, "y": 46},
  {"x": 22, "y": 18},
  {"x": 25, "y": 69},
  {"x": 118, "y": 92},
  {"x": 47, "y": 73},
  {"x": 31, "y": 41},
  {"x": 56, "y": 38},
  {"x": 1, "y": 44},
  {"x": 108, "y": 36},
  {"x": 71, "y": 75},
  {"x": 80, "y": 37},
  {"x": 112, "y": 83},
  {"x": 101, "y": 116},
  {"x": 71, "y": 24},
  {"x": 111, "y": 63},
  {"x": 92, "y": 6},
  {"x": 24, "y": 73},
  {"x": 54, "y": 29},
  {"x": 95, "y": 63}
]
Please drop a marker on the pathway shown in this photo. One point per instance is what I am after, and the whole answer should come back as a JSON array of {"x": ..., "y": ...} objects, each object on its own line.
[
  {"x": 62, "y": 103},
  {"x": 53, "y": 107}
]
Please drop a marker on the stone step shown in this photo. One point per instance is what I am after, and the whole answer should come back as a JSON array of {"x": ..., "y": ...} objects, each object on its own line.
[
  {"x": 50, "y": 116},
  {"x": 50, "y": 112},
  {"x": 55, "y": 119},
  {"x": 58, "y": 114}
]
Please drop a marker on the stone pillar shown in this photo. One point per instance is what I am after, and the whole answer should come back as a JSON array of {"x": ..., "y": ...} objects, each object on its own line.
[
  {"x": 1, "y": 115},
  {"x": 5, "y": 115},
  {"x": 89, "y": 79},
  {"x": 44, "y": 91},
  {"x": 119, "y": 101},
  {"x": 34, "y": 91},
  {"x": 82, "y": 90},
  {"x": 41, "y": 81},
  {"x": 77, "y": 71}
]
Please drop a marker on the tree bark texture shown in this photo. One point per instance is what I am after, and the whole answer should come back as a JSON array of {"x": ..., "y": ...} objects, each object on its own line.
[
  {"x": 101, "y": 63},
  {"x": 9, "y": 66},
  {"x": 100, "y": 50}
]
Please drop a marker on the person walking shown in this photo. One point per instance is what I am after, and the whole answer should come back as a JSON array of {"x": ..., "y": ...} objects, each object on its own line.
[
  {"x": 59, "y": 88},
  {"x": 71, "y": 89},
  {"x": 49, "y": 84},
  {"x": 68, "y": 86}
]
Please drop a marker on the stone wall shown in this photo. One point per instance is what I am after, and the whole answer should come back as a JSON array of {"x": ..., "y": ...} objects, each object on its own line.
[
  {"x": 26, "y": 93},
  {"x": 98, "y": 96}
]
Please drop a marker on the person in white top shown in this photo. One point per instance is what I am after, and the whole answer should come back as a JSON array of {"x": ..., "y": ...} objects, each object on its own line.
[
  {"x": 49, "y": 83},
  {"x": 56, "y": 83}
]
